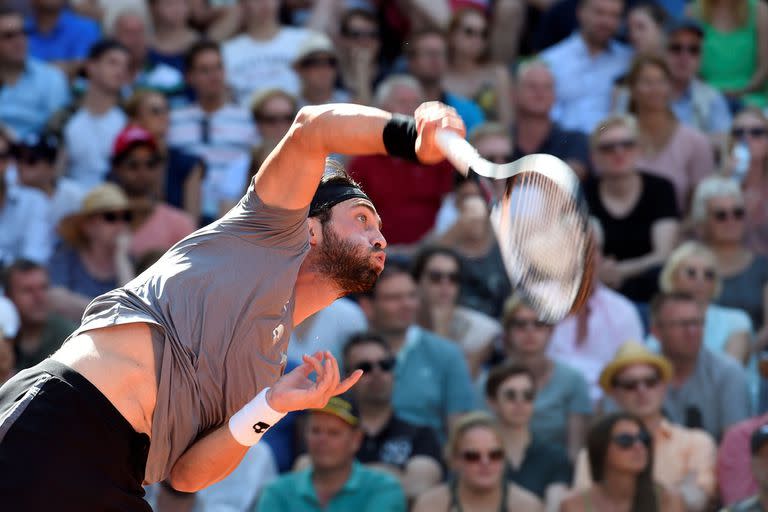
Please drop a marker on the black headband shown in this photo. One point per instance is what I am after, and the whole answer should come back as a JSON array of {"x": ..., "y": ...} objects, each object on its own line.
[{"x": 331, "y": 194}]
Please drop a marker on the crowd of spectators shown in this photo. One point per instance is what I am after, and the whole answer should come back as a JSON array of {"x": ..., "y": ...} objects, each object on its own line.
[{"x": 126, "y": 125}]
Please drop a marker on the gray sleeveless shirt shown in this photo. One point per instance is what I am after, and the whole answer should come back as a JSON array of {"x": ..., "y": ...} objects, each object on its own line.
[{"x": 220, "y": 303}]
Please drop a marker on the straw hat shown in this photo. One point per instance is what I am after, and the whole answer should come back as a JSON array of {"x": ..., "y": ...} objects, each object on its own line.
[
  {"x": 107, "y": 197},
  {"x": 633, "y": 352}
]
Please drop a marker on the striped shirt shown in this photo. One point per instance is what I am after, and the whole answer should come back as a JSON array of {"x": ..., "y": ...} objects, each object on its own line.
[{"x": 220, "y": 138}]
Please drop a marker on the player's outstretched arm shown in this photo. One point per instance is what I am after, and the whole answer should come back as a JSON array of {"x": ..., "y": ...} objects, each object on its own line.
[
  {"x": 214, "y": 456},
  {"x": 289, "y": 177}
]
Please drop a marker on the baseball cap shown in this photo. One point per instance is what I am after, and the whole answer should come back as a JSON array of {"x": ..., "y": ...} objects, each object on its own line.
[
  {"x": 685, "y": 24},
  {"x": 758, "y": 439},
  {"x": 316, "y": 43},
  {"x": 130, "y": 137},
  {"x": 9, "y": 318},
  {"x": 340, "y": 408}
]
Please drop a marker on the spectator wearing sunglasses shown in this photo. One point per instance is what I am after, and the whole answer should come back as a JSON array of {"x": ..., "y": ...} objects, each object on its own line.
[
  {"x": 694, "y": 102},
  {"x": 708, "y": 390},
  {"x": 539, "y": 467},
  {"x": 317, "y": 66},
  {"x": 359, "y": 45},
  {"x": 438, "y": 273},
  {"x": 636, "y": 382},
  {"x": 562, "y": 406},
  {"x": 214, "y": 129},
  {"x": 93, "y": 256},
  {"x": 637, "y": 210},
  {"x": 475, "y": 454},
  {"x": 534, "y": 129},
  {"x": 620, "y": 452},
  {"x": 137, "y": 164},
  {"x": 692, "y": 269},
  {"x": 750, "y": 127},
  {"x": 36, "y": 167},
  {"x": 407, "y": 451}
]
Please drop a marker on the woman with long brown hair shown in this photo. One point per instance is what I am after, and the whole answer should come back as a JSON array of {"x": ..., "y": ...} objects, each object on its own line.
[{"x": 668, "y": 148}]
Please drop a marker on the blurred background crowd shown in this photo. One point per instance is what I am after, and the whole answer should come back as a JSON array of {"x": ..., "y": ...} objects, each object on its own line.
[{"x": 125, "y": 125}]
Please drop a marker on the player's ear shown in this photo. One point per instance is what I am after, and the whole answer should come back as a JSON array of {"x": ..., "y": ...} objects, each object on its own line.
[{"x": 315, "y": 231}]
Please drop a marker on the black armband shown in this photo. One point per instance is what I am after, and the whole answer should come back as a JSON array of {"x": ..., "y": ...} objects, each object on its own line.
[{"x": 400, "y": 137}]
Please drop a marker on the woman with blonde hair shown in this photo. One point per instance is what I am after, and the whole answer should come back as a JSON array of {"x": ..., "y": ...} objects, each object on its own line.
[
  {"x": 475, "y": 454},
  {"x": 470, "y": 71},
  {"x": 735, "y": 52},
  {"x": 668, "y": 148},
  {"x": 718, "y": 215},
  {"x": 750, "y": 128},
  {"x": 692, "y": 268}
]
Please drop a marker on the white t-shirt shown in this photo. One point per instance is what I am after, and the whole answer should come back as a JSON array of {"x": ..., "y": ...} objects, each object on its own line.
[
  {"x": 89, "y": 140},
  {"x": 252, "y": 65},
  {"x": 328, "y": 329}
]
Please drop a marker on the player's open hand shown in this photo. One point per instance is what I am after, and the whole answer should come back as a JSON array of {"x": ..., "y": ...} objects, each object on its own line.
[
  {"x": 295, "y": 391},
  {"x": 430, "y": 117}
]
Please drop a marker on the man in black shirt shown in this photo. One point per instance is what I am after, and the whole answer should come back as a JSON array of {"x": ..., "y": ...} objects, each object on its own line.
[{"x": 408, "y": 451}]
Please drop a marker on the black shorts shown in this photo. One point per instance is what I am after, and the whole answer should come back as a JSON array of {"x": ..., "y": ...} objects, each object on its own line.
[{"x": 64, "y": 446}]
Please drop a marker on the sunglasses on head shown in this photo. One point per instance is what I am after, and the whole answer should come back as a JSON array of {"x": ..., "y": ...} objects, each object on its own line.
[
  {"x": 318, "y": 62},
  {"x": 649, "y": 382},
  {"x": 112, "y": 217},
  {"x": 614, "y": 145},
  {"x": 755, "y": 132},
  {"x": 523, "y": 324},
  {"x": 696, "y": 273},
  {"x": 721, "y": 215},
  {"x": 475, "y": 456},
  {"x": 518, "y": 395},
  {"x": 626, "y": 441},
  {"x": 436, "y": 277},
  {"x": 385, "y": 365},
  {"x": 690, "y": 49}
]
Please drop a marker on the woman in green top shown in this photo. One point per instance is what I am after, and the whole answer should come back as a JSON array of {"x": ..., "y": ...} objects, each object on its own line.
[{"x": 735, "y": 48}]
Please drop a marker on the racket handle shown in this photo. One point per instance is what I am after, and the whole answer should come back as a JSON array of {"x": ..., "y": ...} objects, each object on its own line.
[{"x": 456, "y": 150}]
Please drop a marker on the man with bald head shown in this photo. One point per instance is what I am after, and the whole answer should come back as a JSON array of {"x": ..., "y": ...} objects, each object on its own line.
[{"x": 535, "y": 131}]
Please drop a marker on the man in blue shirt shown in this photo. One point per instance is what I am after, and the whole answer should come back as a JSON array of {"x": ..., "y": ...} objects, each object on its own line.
[
  {"x": 31, "y": 90},
  {"x": 57, "y": 35},
  {"x": 587, "y": 64},
  {"x": 335, "y": 482}
]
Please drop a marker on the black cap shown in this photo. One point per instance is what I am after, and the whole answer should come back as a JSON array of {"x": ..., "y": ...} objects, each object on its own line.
[
  {"x": 685, "y": 24},
  {"x": 758, "y": 439}
]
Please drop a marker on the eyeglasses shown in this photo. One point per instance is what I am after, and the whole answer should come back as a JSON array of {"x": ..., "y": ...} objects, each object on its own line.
[
  {"x": 318, "y": 62},
  {"x": 436, "y": 277},
  {"x": 474, "y": 32},
  {"x": 275, "y": 118},
  {"x": 649, "y": 382},
  {"x": 708, "y": 274},
  {"x": 721, "y": 215},
  {"x": 755, "y": 132},
  {"x": 522, "y": 324},
  {"x": 360, "y": 34},
  {"x": 9, "y": 35},
  {"x": 31, "y": 158},
  {"x": 690, "y": 49},
  {"x": 113, "y": 217},
  {"x": 158, "y": 110},
  {"x": 683, "y": 322},
  {"x": 614, "y": 145},
  {"x": 385, "y": 365},
  {"x": 518, "y": 395},
  {"x": 474, "y": 456},
  {"x": 135, "y": 165},
  {"x": 626, "y": 441}
]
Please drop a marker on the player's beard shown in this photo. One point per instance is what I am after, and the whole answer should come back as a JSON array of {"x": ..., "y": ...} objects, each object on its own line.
[{"x": 350, "y": 267}]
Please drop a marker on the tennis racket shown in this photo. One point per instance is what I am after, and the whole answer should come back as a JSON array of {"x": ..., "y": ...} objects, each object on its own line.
[{"x": 541, "y": 224}]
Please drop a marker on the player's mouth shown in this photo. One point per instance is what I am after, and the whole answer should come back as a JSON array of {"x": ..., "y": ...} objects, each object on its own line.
[{"x": 380, "y": 258}]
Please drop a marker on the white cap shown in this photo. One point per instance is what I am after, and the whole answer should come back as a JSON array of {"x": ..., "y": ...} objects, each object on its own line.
[{"x": 9, "y": 318}]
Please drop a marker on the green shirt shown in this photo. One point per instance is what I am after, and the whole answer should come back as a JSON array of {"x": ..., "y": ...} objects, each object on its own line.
[
  {"x": 367, "y": 490},
  {"x": 55, "y": 332}
]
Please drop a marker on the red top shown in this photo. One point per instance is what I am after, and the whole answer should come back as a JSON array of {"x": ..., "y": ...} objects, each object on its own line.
[{"x": 407, "y": 195}]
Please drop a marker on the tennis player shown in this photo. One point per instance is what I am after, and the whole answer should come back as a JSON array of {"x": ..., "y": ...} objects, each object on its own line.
[{"x": 172, "y": 377}]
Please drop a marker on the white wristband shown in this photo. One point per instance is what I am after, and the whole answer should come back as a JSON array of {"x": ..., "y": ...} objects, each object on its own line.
[{"x": 251, "y": 422}]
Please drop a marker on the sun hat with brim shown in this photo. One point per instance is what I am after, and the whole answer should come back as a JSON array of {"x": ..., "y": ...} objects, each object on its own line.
[
  {"x": 633, "y": 352},
  {"x": 107, "y": 197},
  {"x": 341, "y": 409}
]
